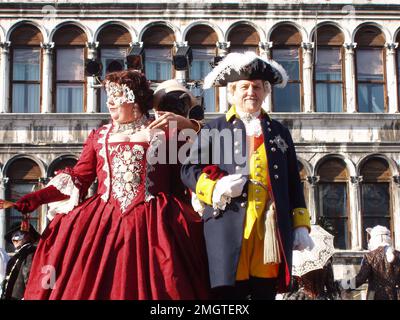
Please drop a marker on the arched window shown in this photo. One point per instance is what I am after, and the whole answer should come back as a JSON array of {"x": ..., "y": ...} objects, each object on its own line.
[
  {"x": 333, "y": 199},
  {"x": 286, "y": 50},
  {"x": 328, "y": 69},
  {"x": 203, "y": 40},
  {"x": 25, "y": 69},
  {"x": 370, "y": 64},
  {"x": 375, "y": 195},
  {"x": 243, "y": 38},
  {"x": 61, "y": 163},
  {"x": 114, "y": 42},
  {"x": 24, "y": 175},
  {"x": 70, "y": 42},
  {"x": 158, "y": 42}
]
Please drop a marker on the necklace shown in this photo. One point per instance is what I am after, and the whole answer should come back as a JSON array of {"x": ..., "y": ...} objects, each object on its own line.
[{"x": 131, "y": 127}]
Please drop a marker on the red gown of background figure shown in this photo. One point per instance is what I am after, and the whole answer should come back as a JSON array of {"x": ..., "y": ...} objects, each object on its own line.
[{"x": 135, "y": 239}]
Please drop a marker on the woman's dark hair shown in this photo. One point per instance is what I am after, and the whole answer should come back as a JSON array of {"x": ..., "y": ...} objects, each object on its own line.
[{"x": 138, "y": 83}]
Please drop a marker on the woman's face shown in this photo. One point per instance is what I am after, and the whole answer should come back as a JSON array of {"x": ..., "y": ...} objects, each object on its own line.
[
  {"x": 121, "y": 103},
  {"x": 126, "y": 112}
]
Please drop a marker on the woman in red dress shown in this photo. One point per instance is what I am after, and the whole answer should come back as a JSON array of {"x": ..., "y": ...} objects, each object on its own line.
[{"x": 137, "y": 237}]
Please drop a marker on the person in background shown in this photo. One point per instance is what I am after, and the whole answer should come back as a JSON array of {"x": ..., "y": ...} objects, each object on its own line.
[
  {"x": 174, "y": 102},
  {"x": 19, "y": 266},
  {"x": 380, "y": 266},
  {"x": 3, "y": 265}
]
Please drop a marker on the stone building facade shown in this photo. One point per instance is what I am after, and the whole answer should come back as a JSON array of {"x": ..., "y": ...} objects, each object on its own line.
[{"x": 341, "y": 103}]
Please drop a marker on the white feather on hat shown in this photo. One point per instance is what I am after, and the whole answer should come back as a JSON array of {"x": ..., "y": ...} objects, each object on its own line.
[{"x": 242, "y": 63}]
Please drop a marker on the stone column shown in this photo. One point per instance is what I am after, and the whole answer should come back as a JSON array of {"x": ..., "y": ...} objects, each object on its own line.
[
  {"x": 307, "y": 76},
  {"x": 3, "y": 185},
  {"x": 265, "y": 49},
  {"x": 180, "y": 75},
  {"x": 391, "y": 77},
  {"x": 312, "y": 198},
  {"x": 47, "y": 79},
  {"x": 350, "y": 77},
  {"x": 265, "y": 52},
  {"x": 355, "y": 212},
  {"x": 91, "y": 96},
  {"x": 223, "y": 50},
  {"x": 5, "y": 77},
  {"x": 396, "y": 210}
]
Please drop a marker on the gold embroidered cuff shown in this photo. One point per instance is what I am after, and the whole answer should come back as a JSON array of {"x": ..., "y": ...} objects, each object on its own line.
[{"x": 301, "y": 218}]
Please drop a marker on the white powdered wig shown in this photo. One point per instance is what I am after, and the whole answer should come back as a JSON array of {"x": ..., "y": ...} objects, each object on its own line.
[
  {"x": 389, "y": 253},
  {"x": 380, "y": 237},
  {"x": 241, "y": 62}
]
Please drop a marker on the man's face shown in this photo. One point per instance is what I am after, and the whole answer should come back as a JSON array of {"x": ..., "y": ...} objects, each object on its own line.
[
  {"x": 249, "y": 95},
  {"x": 18, "y": 243}
]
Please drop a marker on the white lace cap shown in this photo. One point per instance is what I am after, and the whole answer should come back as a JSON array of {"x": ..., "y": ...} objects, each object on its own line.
[{"x": 117, "y": 94}]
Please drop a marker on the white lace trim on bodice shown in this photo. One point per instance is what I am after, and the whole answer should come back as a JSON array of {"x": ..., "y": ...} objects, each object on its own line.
[
  {"x": 106, "y": 167},
  {"x": 63, "y": 182}
]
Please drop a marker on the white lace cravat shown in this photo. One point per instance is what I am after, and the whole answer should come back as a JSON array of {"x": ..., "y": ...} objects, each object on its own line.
[{"x": 251, "y": 123}]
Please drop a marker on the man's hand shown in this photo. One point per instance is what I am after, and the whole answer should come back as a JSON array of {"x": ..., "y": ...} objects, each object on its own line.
[
  {"x": 230, "y": 186},
  {"x": 302, "y": 239}
]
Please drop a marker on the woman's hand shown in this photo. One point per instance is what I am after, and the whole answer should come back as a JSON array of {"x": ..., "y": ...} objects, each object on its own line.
[
  {"x": 164, "y": 119},
  {"x": 4, "y": 204}
]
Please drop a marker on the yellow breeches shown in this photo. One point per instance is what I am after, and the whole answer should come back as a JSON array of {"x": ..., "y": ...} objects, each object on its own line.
[{"x": 251, "y": 260}]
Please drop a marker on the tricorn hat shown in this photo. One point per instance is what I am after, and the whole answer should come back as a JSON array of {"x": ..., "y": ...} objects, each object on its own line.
[
  {"x": 16, "y": 232},
  {"x": 246, "y": 66}
]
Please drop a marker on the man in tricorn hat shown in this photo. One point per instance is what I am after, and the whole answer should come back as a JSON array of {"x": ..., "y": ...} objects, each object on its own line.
[
  {"x": 19, "y": 266},
  {"x": 248, "y": 191}
]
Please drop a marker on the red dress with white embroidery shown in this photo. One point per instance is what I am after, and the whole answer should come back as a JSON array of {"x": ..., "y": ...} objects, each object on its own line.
[{"x": 135, "y": 239}]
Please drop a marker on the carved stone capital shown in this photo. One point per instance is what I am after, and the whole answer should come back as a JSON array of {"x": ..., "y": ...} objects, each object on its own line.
[
  {"x": 313, "y": 180},
  {"x": 182, "y": 44},
  {"x": 350, "y": 46},
  {"x": 4, "y": 181},
  {"x": 223, "y": 48},
  {"x": 92, "y": 45},
  {"x": 223, "y": 45},
  {"x": 391, "y": 46},
  {"x": 307, "y": 46},
  {"x": 5, "y": 47},
  {"x": 356, "y": 180},
  {"x": 47, "y": 47},
  {"x": 44, "y": 180},
  {"x": 265, "y": 45}
]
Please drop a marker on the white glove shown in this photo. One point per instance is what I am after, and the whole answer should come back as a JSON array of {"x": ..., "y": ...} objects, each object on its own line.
[
  {"x": 227, "y": 187},
  {"x": 197, "y": 204},
  {"x": 302, "y": 239}
]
